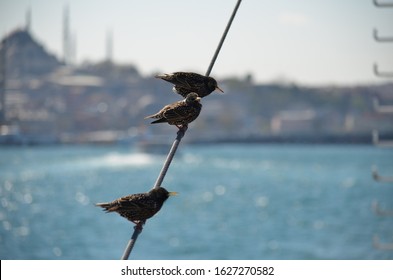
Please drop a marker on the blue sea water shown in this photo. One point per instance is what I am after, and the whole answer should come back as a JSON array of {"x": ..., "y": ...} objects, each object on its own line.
[{"x": 236, "y": 201}]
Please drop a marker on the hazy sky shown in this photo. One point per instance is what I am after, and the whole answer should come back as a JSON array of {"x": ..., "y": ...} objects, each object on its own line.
[{"x": 305, "y": 41}]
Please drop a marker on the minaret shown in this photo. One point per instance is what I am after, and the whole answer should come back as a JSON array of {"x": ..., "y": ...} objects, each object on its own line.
[
  {"x": 109, "y": 46},
  {"x": 66, "y": 36},
  {"x": 28, "y": 20}
]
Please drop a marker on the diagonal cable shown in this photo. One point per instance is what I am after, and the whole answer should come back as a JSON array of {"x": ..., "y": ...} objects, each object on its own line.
[{"x": 180, "y": 134}]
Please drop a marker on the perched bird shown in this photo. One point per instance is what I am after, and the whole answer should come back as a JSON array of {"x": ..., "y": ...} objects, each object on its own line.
[
  {"x": 179, "y": 113},
  {"x": 186, "y": 82},
  {"x": 140, "y": 206}
]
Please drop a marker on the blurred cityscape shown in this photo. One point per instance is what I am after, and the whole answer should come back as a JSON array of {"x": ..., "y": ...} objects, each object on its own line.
[{"x": 47, "y": 100}]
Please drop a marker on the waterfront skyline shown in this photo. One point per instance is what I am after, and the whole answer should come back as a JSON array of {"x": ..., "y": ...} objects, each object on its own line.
[{"x": 307, "y": 42}]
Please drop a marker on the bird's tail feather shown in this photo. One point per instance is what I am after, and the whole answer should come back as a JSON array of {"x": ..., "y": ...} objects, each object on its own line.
[
  {"x": 163, "y": 76},
  {"x": 108, "y": 207},
  {"x": 159, "y": 121}
]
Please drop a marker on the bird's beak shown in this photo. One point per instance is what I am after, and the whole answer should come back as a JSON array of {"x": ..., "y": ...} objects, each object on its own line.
[
  {"x": 173, "y": 193},
  {"x": 219, "y": 89},
  {"x": 198, "y": 99}
]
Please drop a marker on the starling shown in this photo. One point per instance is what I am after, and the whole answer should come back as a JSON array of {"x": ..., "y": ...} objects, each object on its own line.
[
  {"x": 186, "y": 82},
  {"x": 179, "y": 113},
  {"x": 140, "y": 206}
]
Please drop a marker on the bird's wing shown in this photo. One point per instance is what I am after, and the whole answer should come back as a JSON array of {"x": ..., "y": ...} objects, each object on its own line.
[
  {"x": 176, "y": 113},
  {"x": 179, "y": 113},
  {"x": 182, "y": 81},
  {"x": 136, "y": 202},
  {"x": 177, "y": 78}
]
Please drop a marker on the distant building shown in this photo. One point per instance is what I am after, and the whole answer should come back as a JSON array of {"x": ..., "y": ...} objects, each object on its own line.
[
  {"x": 25, "y": 57},
  {"x": 296, "y": 121},
  {"x": 45, "y": 101}
]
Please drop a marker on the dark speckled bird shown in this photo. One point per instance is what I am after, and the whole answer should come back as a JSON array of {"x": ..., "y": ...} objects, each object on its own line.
[
  {"x": 186, "y": 82},
  {"x": 140, "y": 206},
  {"x": 179, "y": 113}
]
